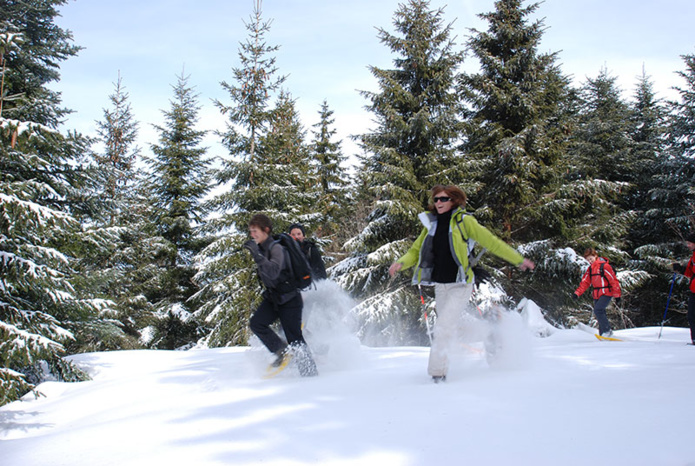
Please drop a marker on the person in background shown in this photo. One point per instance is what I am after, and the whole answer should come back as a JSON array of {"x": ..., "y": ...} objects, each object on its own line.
[
  {"x": 440, "y": 255},
  {"x": 308, "y": 246},
  {"x": 281, "y": 299},
  {"x": 689, "y": 271},
  {"x": 601, "y": 277}
]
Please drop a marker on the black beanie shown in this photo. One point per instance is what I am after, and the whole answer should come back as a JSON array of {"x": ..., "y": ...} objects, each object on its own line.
[{"x": 296, "y": 225}]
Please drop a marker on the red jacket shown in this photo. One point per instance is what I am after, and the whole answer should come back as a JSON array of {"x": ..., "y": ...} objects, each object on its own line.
[
  {"x": 605, "y": 283},
  {"x": 690, "y": 272}
]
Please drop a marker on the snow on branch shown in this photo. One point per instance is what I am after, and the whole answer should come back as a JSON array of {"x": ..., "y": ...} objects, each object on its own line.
[{"x": 17, "y": 339}]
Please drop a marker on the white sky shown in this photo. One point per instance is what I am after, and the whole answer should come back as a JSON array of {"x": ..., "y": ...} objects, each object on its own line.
[{"x": 326, "y": 47}]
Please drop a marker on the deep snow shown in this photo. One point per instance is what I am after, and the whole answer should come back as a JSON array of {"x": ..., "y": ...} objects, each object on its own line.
[{"x": 566, "y": 399}]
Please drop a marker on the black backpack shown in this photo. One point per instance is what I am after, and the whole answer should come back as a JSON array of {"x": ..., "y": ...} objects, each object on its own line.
[
  {"x": 300, "y": 269},
  {"x": 603, "y": 275}
]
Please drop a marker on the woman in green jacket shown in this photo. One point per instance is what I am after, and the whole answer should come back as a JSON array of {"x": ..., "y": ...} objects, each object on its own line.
[{"x": 440, "y": 255}]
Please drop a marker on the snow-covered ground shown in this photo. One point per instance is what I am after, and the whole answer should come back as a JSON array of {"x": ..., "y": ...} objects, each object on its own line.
[{"x": 566, "y": 399}]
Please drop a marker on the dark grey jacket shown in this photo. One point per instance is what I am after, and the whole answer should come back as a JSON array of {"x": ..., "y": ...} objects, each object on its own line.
[{"x": 274, "y": 271}]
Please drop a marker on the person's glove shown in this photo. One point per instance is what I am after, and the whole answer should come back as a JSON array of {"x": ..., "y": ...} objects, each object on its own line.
[
  {"x": 481, "y": 275},
  {"x": 253, "y": 249},
  {"x": 677, "y": 267},
  {"x": 575, "y": 296},
  {"x": 618, "y": 301}
]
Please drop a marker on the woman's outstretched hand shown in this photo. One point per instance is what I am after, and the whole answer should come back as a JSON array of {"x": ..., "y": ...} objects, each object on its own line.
[
  {"x": 527, "y": 265},
  {"x": 395, "y": 267}
]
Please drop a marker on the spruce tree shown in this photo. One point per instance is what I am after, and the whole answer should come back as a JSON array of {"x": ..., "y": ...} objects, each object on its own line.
[
  {"x": 605, "y": 164},
  {"x": 178, "y": 182},
  {"x": 672, "y": 195},
  {"x": 123, "y": 273},
  {"x": 118, "y": 133},
  {"x": 39, "y": 238},
  {"x": 537, "y": 142},
  {"x": 648, "y": 238},
  {"x": 41, "y": 179},
  {"x": 25, "y": 74},
  {"x": 229, "y": 288},
  {"x": 603, "y": 144},
  {"x": 603, "y": 152},
  {"x": 410, "y": 150},
  {"x": 518, "y": 116},
  {"x": 648, "y": 132},
  {"x": 517, "y": 121},
  {"x": 284, "y": 184},
  {"x": 332, "y": 177},
  {"x": 675, "y": 175}
]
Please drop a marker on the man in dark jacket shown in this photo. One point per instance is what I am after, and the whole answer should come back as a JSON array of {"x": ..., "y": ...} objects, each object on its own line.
[
  {"x": 318, "y": 269},
  {"x": 281, "y": 299}
]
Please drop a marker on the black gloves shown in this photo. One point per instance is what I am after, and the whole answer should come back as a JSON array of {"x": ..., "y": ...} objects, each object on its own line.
[
  {"x": 677, "y": 267},
  {"x": 481, "y": 275},
  {"x": 574, "y": 296},
  {"x": 253, "y": 249},
  {"x": 618, "y": 301}
]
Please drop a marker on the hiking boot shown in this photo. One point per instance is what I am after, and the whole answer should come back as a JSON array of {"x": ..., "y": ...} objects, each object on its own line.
[
  {"x": 438, "y": 378},
  {"x": 280, "y": 356},
  {"x": 607, "y": 334}
]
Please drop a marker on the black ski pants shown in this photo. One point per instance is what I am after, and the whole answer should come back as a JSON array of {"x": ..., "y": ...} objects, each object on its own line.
[{"x": 290, "y": 315}]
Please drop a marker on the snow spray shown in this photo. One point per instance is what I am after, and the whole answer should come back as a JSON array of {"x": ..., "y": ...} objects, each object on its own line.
[
  {"x": 329, "y": 326},
  {"x": 328, "y": 329}
]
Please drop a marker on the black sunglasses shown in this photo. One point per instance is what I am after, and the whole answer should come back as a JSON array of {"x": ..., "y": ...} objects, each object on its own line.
[{"x": 441, "y": 199}]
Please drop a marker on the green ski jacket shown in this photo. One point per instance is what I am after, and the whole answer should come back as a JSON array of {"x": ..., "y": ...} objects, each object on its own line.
[{"x": 461, "y": 227}]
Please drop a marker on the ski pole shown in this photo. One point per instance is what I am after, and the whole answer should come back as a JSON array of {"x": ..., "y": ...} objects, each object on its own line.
[
  {"x": 663, "y": 319},
  {"x": 424, "y": 309}
]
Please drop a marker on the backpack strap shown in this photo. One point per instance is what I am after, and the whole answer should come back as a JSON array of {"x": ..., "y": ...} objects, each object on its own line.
[
  {"x": 602, "y": 274},
  {"x": 472, "y": 261},
  {"x": 286, "y": 262}
]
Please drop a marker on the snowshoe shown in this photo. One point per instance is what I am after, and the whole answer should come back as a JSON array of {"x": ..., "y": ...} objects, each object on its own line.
[
  {"x": 277, "y": 366},
  {"x": 305, "y": 362}
]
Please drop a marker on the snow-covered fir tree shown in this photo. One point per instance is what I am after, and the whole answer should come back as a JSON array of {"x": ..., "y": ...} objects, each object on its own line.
[
  {"x": 118, "y": 132},
  {"x": 672, "y": 197},
  {"x": 604, "y": 164},
  {"x": 284, "y": 181},
  {"x": 124, "y": 273},
  {"x": 603, "y": 143},
  {"x": 229, "y": 286},
  {"x": 602, "y": 150},
  {"x": 517, "y": 121},
  {"x": 38, "y": 239},
  {"x": 410, "y": 150},
  {"x": 648, "y": 242},
  {"x": 41, "y": 179},
  {"x": 331, "y": 174},
  {"x": 25, "y": 74},
  {"x": 676, "y": 172},
  {"x": 178, "y": 181},
  {"x": 648, "y": 132}
]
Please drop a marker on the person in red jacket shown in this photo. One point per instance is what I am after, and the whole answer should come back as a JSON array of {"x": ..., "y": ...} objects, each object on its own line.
[
  {"x": 689, "y": 271},
  {"x": 601, "y": 277}
]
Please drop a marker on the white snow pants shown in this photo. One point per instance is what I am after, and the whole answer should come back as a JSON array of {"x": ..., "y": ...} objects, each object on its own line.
[{"x": 451, "y": 299}]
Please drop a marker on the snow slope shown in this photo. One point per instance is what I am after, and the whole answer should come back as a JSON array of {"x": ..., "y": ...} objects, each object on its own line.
[{"x": 567, "y": 399}]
